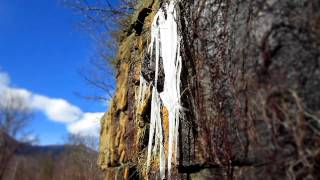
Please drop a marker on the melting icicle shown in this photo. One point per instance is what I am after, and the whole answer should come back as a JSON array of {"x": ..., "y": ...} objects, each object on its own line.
[
  {"x": 142, "y": 91},
  {"x": 170, "y": 53},
  {"x": 165, "y": 43},
  {"x": 155, "y": 131}
]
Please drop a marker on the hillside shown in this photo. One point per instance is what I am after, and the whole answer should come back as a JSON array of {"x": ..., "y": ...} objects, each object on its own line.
[{"x": 29, "y": 162}]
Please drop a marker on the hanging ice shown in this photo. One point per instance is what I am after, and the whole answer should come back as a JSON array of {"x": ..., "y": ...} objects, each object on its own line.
[
  {"x": 142, "y": 91},
  {"x": 170, "y": 53},
  {"x": 165, "y": 43}
]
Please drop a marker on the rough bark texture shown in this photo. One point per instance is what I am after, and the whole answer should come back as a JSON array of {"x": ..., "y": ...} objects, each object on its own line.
[{"x": 250, "y": 92}]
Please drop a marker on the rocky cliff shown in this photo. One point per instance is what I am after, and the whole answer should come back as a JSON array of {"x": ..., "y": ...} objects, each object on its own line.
[{"x": 250, "y": 99}]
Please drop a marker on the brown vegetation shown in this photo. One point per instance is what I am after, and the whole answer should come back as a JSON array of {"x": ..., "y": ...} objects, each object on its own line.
[{"x": 23, "y": 161}]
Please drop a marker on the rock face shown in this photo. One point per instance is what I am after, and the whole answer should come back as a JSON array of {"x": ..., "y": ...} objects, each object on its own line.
[{"x": 250, "y": 93}]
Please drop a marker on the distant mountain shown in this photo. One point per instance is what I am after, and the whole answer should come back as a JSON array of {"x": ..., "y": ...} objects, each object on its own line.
[{"x": 55, "y": 162}]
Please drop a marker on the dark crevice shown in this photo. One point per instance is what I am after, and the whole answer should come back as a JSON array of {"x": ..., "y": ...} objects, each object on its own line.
[
  {"x": 133, "y": 173},
  {"x": 138, "y": 25},
  {"x": 196, "y": 168}
]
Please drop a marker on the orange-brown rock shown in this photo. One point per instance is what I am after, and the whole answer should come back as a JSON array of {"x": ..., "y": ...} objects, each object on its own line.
[{"x": 123, "y": 134}]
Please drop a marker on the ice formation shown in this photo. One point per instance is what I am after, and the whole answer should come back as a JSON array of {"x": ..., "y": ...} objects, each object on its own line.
[
  {"x": 165, "y": 44},
  {"x": 143, "y": 86}
]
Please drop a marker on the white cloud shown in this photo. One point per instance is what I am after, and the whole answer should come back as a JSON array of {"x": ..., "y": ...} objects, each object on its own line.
[
  {"x": 7, "y": 93},
  {"x": 56, "y": 109},
  {"x": 15, "y": 98},
  {"x": 30, "y": 138},
  {"x": 89, "y": 124},
  {"x": 4, "y": 80}
]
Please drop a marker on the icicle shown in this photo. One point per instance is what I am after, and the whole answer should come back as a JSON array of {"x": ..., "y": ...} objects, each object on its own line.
[
  {"x": 142, "y": 91},
  {"x": 151, "y": 128},
  {"x": 155, "y": 131},
  {"x": 170, "y": 53},
  {"x": 165, "y": 41}
]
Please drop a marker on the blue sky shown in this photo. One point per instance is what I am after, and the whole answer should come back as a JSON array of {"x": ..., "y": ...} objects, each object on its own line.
[{"x": 41, "y": 51}]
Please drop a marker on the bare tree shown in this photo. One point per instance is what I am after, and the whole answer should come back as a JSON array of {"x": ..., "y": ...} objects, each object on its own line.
[
  {"x": 81, "y": 159},
  {"x": 7, "y": 149},
  {"x": 88, "y": 141},
  {"x": 15, "y": 115},
  {"x": 99, "y": 76},
  {"x": 103, "y": 20},
  {"x": 104, "y": 14}
]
